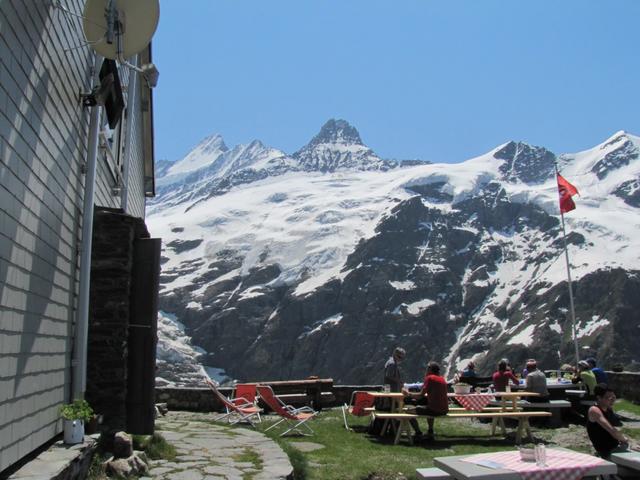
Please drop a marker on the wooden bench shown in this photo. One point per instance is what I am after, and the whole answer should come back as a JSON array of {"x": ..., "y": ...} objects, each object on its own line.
[
  {"x": 554, "y": 406},
  {"x": 498, "y": 417},
  {"x": 403, "y": 420}
]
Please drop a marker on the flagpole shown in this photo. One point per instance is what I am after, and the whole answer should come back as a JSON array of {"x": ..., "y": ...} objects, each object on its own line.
[{"x": 566, "y": 257}]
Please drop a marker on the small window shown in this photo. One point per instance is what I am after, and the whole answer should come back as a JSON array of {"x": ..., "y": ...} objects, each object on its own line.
[{"x": 110, "y": 124}]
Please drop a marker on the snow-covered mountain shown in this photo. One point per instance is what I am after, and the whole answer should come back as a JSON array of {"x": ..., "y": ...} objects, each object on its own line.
[{"x": 320, "y": 262}]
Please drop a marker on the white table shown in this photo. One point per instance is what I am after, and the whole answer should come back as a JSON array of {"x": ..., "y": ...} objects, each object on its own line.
[
  {"x": 630, "y": 459},
  {"x": 462, "y": 470}
]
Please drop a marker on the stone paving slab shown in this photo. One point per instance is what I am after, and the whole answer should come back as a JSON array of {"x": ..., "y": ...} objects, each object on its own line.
[{"x": 209, "y": 451}]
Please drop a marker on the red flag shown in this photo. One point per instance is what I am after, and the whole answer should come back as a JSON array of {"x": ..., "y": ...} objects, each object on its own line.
[{"x": 566, "y": 191}]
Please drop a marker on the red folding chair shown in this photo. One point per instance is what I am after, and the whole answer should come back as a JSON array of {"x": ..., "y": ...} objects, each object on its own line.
[
  {"x": 293, "y": 417},
  {"x": 238, "y": 410},
  {"x": 360, "y": 400}
]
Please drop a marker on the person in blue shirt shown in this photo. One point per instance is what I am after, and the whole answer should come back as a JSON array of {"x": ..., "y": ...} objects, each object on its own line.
[
  {"x": 469, "y": 371},
  {"x": 600, "y": 374}
]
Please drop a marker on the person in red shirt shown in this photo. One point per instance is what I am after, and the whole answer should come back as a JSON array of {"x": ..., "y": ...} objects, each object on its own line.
[
  {"x": 503, "y": 375},
  {"x": 432, "y": 399}
]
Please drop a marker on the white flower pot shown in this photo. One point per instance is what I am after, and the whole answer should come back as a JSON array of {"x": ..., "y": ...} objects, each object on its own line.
[{"x": 73, "y": 431}]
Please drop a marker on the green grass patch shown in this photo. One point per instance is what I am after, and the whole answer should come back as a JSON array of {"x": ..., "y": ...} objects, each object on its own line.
[
  {"x": 627, "y": 406},
  {"x": 357, "y": 455},
  {"x": 249, "y": 455},
  {"x": 96, "y": 470},
  {"x": 155, "y": 446}
]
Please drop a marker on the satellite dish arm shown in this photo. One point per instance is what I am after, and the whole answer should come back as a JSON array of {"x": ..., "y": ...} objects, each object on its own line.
[
  {"x": 111, "y": 16},
  {"x": 148, "y": 71}
]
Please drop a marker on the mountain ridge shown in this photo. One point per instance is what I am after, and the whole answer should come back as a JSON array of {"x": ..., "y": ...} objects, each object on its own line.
[{"x": 463, "y": 261}]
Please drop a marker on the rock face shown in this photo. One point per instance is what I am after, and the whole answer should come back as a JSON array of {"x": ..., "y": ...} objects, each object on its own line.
[{"x": 324, "y": 272}]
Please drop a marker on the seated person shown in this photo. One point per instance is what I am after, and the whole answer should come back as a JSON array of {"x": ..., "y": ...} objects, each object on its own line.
[
  {"x": 525, "y": 370},
  {"x": 502, "y": 376},
  {"x": 600, "y": 374},
  {"x": 605, "y": 438},
  {"x": 432, "y": 399},
  {"x": 536, "y": 381},
  {"x": 585, "y": 376},
  {"x": 470, "y": 371}
]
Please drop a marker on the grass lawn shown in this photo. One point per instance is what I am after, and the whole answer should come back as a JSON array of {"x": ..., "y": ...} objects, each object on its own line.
[{"x": 356, "y": 455}]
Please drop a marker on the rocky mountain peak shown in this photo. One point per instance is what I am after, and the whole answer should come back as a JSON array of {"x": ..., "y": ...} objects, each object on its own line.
[
  {"x": 213, "y": 143},
  {"x": 525, "y": 163},
  {"x": 337, "y": 131}
]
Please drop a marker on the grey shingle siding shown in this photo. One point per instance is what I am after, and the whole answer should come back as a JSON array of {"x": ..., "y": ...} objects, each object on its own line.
[{"x": 43, "y": 147}]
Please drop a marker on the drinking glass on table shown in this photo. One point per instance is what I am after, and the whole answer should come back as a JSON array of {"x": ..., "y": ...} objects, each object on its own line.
[
  {"x": 540, "y": 452},
  {"x": 387, "y": 388}
]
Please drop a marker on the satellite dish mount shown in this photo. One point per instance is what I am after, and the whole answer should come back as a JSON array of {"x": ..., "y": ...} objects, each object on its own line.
[{"x": 118, "y": 29}]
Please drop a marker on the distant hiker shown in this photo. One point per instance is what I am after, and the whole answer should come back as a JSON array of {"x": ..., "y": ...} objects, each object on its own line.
[
  {"x": 536, "y": 381},
  {"x": 392, "y": 372},
  {"x": 393, "y": 378},
  {"x": 585, "y": 376},
  {"x": 470, "y": 371},
  {"x": 600, "y": 374},
  {"x": 502, "y": 376}
]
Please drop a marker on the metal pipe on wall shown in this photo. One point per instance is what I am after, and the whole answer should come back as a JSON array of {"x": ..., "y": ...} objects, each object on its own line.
[
  {"x": 131, "y": 100},
  {"x": 79, "y": 360}
]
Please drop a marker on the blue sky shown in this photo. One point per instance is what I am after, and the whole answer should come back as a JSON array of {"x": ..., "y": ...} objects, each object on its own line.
[{"x": 436, "y": 80}]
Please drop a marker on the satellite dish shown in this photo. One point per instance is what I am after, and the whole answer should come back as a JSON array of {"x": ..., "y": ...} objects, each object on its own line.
[{"x": 118, "y": 29}]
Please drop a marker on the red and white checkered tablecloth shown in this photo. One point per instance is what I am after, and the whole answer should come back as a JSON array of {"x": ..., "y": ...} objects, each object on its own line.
[
  {"x": 560, "y": 464},
  {"x": 474, "y": 401}
]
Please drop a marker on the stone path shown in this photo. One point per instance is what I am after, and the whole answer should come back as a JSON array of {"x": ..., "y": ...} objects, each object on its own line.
[{"x": 208, "y": 451}]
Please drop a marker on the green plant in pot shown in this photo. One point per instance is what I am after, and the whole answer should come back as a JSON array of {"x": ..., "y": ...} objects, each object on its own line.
[{"x": 74, "y": 416}]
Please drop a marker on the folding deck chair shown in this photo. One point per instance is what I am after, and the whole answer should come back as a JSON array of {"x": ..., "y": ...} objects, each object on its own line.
[
  {"x": 245, "y": 392},
  {"x": 295, "y": 418},
  {"x": 238, "y": 409},
  {"x": 360, "y": 400}
]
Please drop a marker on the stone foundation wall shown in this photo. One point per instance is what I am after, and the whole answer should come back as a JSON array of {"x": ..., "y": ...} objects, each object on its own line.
[
  {"x": 109, "y": 314},
  {"x": 625, "y": 384},
  {"x": 204, "y": 400}
]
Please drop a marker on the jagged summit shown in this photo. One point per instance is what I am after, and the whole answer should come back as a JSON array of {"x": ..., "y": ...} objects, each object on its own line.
[
  {"x": 337, "y": 131},
  {"x": 338, "y": 146},
  {"x": 525, "y": 163},
  {"x": 204, "y": 154}
]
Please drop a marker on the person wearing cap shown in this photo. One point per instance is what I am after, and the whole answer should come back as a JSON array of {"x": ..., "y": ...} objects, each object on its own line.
[
  {"x": 600, "y": 374},
  {"x": 392, "y": 372},
  {"x": 393, "y": 378},
  {"x": 585, "y": 376},
  {"x": 536, "y": 381}
]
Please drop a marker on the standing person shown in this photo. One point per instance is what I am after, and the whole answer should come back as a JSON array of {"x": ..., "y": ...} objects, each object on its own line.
[
  {"x": 432, "y": 399},
  {"x": 393, "y": 378},
  {"x": 585, "y": 376},
  {"x": 392, "y": 372},
  {"x": 536, "y": 381},
  {"x": 502, "y": 376},
  {"x": 603, "y": 435},
  {"x": 600, "y": 374}
]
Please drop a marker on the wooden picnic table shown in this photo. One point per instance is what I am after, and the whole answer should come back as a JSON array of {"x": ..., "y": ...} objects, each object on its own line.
[{"x": 397, "y": 399}]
